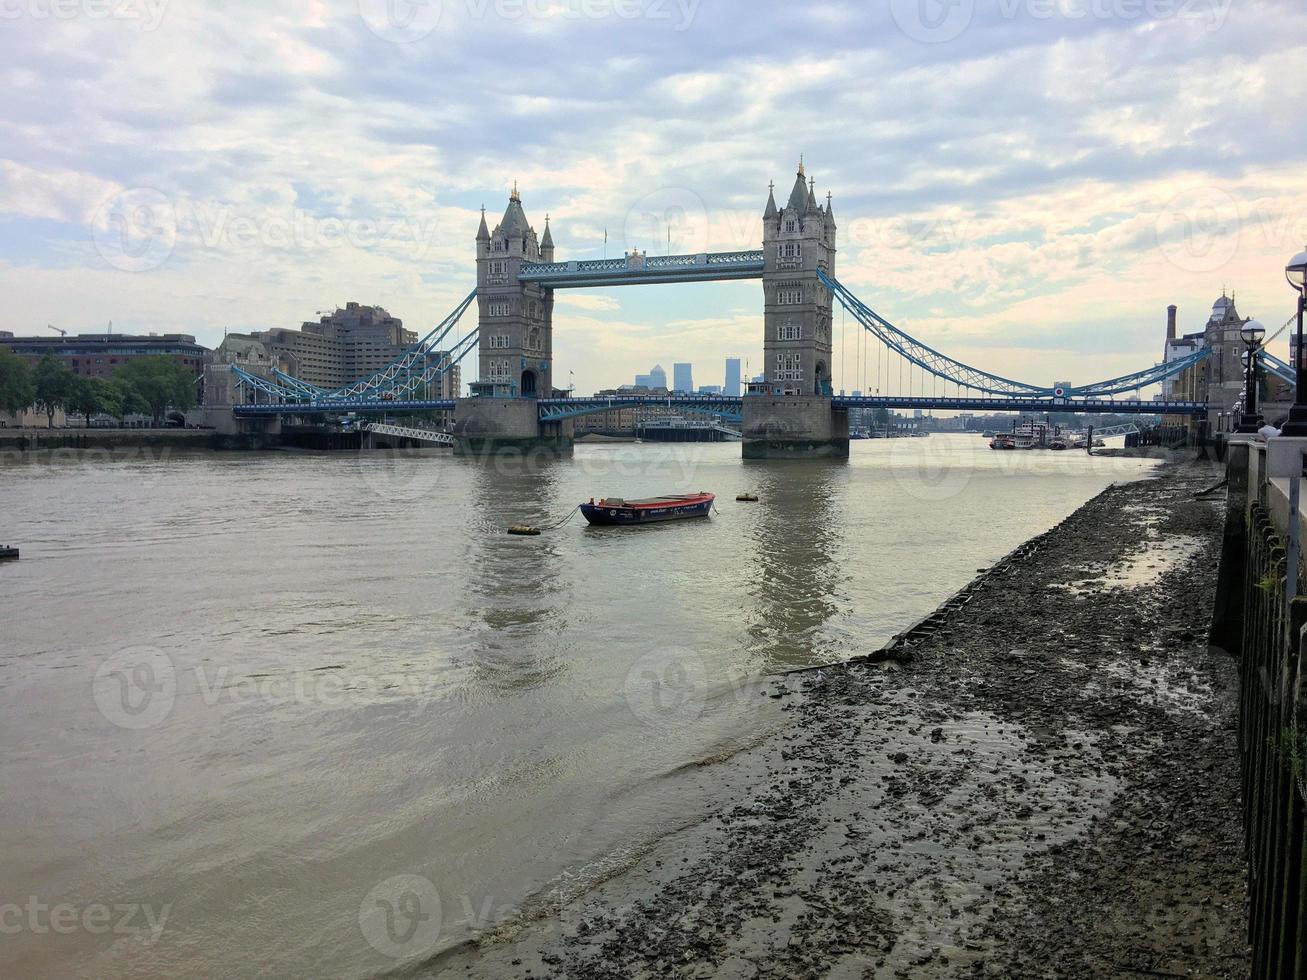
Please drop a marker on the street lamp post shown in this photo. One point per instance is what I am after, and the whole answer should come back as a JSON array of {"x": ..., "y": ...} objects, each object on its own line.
[
  {"x": 1251, "y": 333},
  {"x": 1296, "y": 273}
]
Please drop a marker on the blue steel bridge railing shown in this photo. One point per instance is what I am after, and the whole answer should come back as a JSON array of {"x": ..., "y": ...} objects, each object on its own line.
[
  {"x": 637, "y": 268},
  {"x": 408, "y": 374},
  {"x": 965, "y": 376},
  {"x": 1280, "y": 369},
  {"x": 555, "y": 409}
]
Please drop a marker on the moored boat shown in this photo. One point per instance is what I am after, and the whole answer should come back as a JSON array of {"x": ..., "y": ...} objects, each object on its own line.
[{"x": 651, "y": 510}]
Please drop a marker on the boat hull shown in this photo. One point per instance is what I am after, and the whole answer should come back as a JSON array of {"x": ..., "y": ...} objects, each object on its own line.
[{"x": 626, "y": 516}]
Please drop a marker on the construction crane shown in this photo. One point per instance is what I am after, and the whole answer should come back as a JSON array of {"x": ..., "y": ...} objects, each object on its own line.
[{"x": 61, "y": 333}]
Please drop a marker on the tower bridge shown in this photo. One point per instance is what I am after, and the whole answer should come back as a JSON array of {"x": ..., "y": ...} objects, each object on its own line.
[{"x": 793, "y": 412}]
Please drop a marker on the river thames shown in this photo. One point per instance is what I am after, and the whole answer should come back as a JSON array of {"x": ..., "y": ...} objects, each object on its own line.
[{"x": 239, "y": 694}]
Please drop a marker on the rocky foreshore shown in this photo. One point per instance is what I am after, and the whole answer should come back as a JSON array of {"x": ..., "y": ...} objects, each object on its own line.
[{"x": 1043, "y": 783}]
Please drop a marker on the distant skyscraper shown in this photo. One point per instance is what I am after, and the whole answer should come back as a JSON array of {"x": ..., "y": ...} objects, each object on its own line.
[
  {"x": 644, "y": 381},
  {"x": 682, "y": 378},
  {"x": 657, "y": 377},
  {"x": 732, "y": 386}
]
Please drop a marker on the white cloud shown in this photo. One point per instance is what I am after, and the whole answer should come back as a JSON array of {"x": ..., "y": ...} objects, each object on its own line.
[{"x": 1001, "y": 193}]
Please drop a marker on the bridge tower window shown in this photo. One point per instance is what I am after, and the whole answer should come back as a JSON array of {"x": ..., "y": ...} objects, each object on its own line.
[
  {"x": 790, "y": 331},
  {"x": 499, "y": 309},
  {"x": 789, "y": 297}
]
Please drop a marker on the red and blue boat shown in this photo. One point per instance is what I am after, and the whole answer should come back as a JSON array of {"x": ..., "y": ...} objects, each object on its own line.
[{"x": 673, "y": 507}]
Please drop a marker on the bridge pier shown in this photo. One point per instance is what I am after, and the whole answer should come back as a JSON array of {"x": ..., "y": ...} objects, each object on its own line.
[
  {"x": 794, "y": 427},
  {"x": 507, "y": 427}
]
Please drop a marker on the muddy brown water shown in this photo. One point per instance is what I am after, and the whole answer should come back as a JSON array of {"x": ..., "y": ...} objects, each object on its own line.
[{"x": 243, "y": 696}]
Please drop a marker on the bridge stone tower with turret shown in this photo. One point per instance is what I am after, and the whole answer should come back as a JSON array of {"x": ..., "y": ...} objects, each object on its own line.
[
  {"x": 515, "y": 318},
  {"x": 515, "y": 344},
  {"x": 790, "y": 414}
]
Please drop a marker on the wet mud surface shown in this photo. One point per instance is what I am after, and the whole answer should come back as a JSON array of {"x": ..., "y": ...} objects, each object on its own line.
[{"x": 1046, "y": 787}]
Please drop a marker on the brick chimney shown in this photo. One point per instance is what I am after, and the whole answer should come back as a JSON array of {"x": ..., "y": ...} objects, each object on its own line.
[{"x": 1170, "y": 322}]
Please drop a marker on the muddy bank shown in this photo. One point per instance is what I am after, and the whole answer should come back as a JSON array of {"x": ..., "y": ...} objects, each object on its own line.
[{"x": 1047, "y": 787}]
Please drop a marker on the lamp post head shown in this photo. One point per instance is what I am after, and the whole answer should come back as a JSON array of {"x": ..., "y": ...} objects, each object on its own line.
[
  {"x": 1296, "y": 271},
  {"x": 1252, "y": 333}
]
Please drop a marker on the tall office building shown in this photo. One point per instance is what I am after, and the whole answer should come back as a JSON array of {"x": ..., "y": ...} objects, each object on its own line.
[
  {"x": 657, "y": 377},
  {"x": 682, "y": 378},
  {"x": 344, "y": 346},
  {"x": 732, "y": 386}
]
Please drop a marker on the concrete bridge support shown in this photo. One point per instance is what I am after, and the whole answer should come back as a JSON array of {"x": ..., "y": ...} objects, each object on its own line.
[
  {"x": 507, "y": 426},
  {"x": 794, "y": 427}
]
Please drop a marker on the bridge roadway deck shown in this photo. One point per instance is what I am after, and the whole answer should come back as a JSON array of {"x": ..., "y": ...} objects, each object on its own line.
[
  {"x": 561, "y": 408},
  {"x": 633, "y": 270}
]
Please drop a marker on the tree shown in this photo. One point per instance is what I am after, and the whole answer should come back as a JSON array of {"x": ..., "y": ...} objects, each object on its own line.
[
  {"x": 881, "y": 415},
  {"x": 160, "y": 383},
  {"x": 54, "y": 383},
  {"x": 17, "y": 393},
  {"x": 84, "y": 398}
]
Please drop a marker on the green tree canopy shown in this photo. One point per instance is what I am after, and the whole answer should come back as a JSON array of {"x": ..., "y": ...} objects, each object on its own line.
[
  {"x": 83, "y": 398},
  {"x": 160, "y": 382},
  {"x": 54, "y": 384},
  {"x": 17, "y": 392}
]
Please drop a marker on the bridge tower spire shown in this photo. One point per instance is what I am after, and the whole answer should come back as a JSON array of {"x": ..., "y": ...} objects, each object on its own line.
[
  {"x": 795, "y": 415},
  {"x": 798, "y": 240},
  {"x": 515, "y": 318}
]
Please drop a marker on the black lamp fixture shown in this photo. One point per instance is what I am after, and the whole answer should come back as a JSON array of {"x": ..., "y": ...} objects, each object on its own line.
[
  {"x": 1296, "y": 273},
  {"x": 1251, "y": 333}
]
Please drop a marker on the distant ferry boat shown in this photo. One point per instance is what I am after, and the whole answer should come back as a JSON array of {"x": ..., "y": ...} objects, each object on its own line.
[{"x": 673, "y": 507}]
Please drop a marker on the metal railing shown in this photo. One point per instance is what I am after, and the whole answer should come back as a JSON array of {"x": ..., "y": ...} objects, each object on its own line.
[{"x": 1271, "y": 754}]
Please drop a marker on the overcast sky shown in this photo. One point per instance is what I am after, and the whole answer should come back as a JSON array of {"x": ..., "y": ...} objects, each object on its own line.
[{"x": 1025, "y": 184}]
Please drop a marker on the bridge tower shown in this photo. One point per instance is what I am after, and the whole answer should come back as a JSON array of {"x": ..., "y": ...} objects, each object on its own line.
[
  {"x": 791, "y": 414},
  {"x": 515, "y": 344}
]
